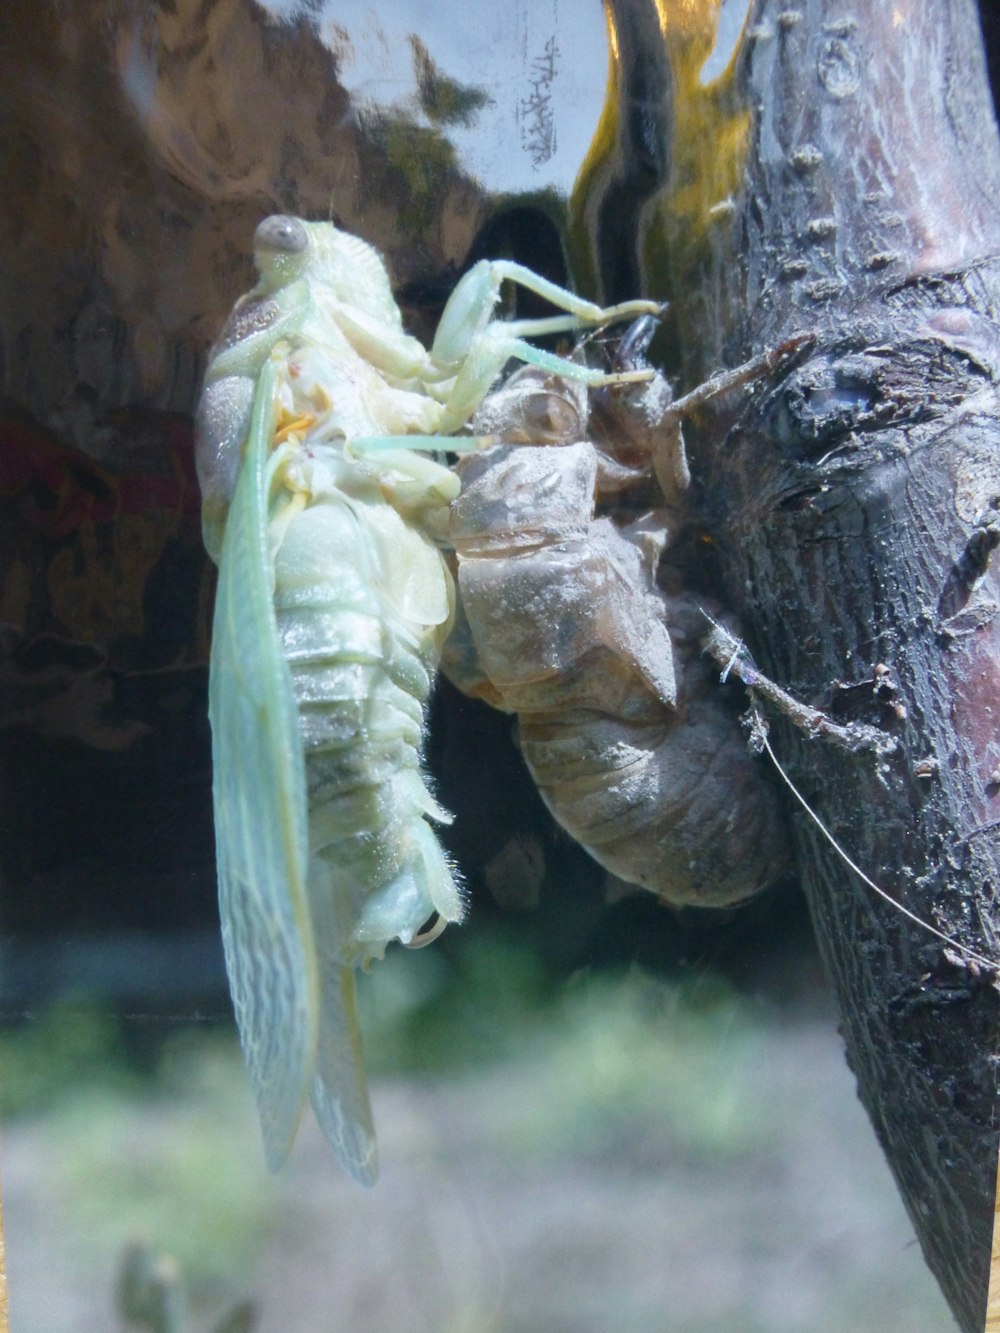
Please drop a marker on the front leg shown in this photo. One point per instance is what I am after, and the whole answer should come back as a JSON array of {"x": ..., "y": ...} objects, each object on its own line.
[
  {"x": 499, "y": 343},
  {"x": 413, "y": 483},
  {"x": 472, "y": 304}
]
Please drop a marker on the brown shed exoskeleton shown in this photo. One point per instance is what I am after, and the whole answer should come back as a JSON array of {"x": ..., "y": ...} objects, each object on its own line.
[{"x": 634, "y": 747}]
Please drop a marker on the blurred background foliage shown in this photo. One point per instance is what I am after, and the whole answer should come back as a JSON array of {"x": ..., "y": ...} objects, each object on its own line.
[{"x": 603, "y": 1147}]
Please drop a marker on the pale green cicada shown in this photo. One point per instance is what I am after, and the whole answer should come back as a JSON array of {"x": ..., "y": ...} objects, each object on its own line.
[{"x": 324, "y": 512}]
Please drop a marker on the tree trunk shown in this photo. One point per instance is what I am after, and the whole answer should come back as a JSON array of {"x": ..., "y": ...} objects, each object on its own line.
[{"x": 849, "y": 192}]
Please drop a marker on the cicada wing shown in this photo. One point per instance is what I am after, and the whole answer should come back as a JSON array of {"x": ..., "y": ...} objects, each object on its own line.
[
  {"x": 340, "y": 1084},
  {"x": 260, "y": 808}
]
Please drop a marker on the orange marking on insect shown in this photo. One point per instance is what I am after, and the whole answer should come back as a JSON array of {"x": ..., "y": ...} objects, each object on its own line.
[{"x": 294, "y": 426}]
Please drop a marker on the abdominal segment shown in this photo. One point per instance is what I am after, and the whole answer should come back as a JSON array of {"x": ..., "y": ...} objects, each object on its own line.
[
  {"x": 361, "y": 672},
  {"x": 621, "y": 720}
]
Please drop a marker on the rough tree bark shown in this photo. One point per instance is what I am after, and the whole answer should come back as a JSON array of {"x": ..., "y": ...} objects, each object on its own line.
[{"x": 856, "y": 505}]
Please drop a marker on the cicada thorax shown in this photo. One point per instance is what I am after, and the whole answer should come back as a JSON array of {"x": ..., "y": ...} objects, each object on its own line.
[{"x": 620, "y": 719}]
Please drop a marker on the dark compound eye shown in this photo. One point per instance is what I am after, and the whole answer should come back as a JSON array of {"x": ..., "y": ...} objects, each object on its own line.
[
  {"x": 631, "y": 353},
  {"x": 281, "y": 233}
]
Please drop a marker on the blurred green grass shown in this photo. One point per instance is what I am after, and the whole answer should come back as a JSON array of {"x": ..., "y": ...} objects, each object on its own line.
[
  {"x": 661, "y": 1093},
  {"x": 614, "y": 1052},
  {"x": 615, "y": 1055},
  {"x": 73, "y": 1043}
]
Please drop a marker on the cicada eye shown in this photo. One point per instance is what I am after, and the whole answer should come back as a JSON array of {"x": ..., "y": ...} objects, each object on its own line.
[
  {"x": 284, "y": 234},
  {"x": 552, "y": 418}
]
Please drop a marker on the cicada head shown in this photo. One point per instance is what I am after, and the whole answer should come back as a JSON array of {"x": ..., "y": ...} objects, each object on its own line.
[
  {"x": 286, "y": 249},
  {"x": 281, "y": 250}
]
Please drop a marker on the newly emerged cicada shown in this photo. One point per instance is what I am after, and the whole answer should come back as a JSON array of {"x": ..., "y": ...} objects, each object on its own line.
[{"x": 321, "y": 506}]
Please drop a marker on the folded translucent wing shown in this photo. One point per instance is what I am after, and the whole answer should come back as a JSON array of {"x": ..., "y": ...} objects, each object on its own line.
[
  {"x": 339, "y": 1084},
  {"x": 260, "y": 808}
]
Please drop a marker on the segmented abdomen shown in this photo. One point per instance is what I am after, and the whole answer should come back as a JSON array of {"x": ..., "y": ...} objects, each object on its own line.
[
  {"x": 620, "y": 722},
  {"x": 362, "y": 669},
  {"x": 669, "y": 801}
]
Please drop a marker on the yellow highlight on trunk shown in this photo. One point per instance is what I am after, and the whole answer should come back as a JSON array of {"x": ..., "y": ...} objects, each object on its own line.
[
  {"x": 710, "y": 130},
  {"x": 711, "y": 119},
  {"x": 993, "y": 1299}
]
